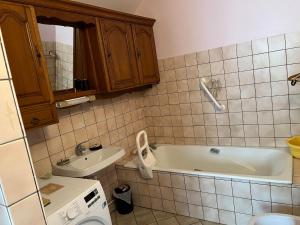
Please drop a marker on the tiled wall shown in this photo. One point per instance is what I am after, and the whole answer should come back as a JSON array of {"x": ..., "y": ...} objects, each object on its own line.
[
  {"x": 59, "y": 59},
  {"x": 64, "y": 66},
  {"x": 19, "y": 199},
  {"x": 50, "y": 52},
  {"x": 225, "y": 201},
  {"x": 262, "y": 108},
  {"x": 107, "y": 121}
]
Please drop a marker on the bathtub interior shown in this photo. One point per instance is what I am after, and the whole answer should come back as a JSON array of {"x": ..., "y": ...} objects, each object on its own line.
[{"x": 232, "y": 162}]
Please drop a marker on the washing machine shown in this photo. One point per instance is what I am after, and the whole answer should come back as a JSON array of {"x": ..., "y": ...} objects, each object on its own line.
[{"x": 74, "y": 201}]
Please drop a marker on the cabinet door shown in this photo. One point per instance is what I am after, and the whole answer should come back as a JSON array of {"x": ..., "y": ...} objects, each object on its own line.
[
  {"x": 146, "y": 54},
  {"x": 120, "y": 55},
  {"x": 24, "y": 52}
]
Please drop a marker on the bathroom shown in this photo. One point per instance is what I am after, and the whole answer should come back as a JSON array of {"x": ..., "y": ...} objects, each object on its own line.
[{"x": 242, "y": 51}]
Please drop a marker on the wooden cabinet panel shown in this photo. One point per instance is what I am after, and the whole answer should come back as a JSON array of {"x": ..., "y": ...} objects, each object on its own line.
[
  {"x": 39, "y": 115},
  {"x": 24, "y": 52},
  {"x": 27, "y": 64},
  {"x": 146, "y": 54},
  {"x": 119, "y": 54}
]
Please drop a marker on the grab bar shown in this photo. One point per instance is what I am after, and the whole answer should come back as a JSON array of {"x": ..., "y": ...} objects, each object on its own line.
[{"x": 219, "y": 106}]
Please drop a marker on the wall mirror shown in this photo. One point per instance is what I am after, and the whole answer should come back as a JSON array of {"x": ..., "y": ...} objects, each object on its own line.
[
  {"x": 69, "y": 52},
  {"x": 58, "y": 46}
]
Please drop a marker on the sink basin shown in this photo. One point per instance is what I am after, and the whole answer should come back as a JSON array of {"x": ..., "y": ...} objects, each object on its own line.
[
  {"x": 89, "y": 163},
  {"x": 275, "y": 219}
]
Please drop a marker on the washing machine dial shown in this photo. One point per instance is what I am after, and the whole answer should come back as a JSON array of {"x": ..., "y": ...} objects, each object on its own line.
[{"x": 72, "y": 212}]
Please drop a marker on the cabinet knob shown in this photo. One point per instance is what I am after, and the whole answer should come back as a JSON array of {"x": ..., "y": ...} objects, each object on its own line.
[
  {"x": 38, "y": 55},
  {"x": 35, "y": 121}
]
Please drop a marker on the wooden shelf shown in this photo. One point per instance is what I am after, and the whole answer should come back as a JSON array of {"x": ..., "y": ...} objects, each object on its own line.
[{"x": 70, "y": 94}]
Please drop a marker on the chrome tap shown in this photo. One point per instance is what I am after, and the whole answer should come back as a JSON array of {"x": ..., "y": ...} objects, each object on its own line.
[{"x": 80, "y": 149}]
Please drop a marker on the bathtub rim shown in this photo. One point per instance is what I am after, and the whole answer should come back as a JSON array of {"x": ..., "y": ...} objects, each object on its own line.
[{"x": 286, "y": 177}]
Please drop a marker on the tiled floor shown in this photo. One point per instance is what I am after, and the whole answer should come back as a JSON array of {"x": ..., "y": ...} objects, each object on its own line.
[{"x": 143, "y": 216}]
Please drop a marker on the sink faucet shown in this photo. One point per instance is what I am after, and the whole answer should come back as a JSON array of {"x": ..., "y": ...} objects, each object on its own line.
[{"x": 80, "y": 149}]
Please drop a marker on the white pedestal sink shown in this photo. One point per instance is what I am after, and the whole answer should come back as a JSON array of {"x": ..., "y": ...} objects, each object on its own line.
[
  {"x": 89, "y": 163},
  {"x": 275, "y": 219}
]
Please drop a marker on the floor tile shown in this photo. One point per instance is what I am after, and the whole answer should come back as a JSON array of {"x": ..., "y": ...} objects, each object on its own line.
[
  {"x": 170, "y": 221},
  {"x": 145, "y": 216},
  {"x": 184, "y": 220},
  {"x": 160, "y": 215}
]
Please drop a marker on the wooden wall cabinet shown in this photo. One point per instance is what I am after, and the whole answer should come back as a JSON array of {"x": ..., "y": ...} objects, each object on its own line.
[
  {"x": 27, "y": 64},
  {"x": 129, "y": 54},
  {"x": 146, "y": 54},
  {"x": 115, "y": 52},
  {"x": 119, "y": 54}
]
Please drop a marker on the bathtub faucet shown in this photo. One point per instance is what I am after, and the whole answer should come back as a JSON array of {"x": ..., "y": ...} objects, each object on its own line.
[{"x": 214, "y": 150}]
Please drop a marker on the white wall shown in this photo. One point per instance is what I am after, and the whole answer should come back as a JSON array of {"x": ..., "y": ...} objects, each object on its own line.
[
  {"x": 53, "y": 33},
  {"x": 185, "y": 26},
  {"x": 65, "y": 35},
  {"x": 47, "y": 32}
]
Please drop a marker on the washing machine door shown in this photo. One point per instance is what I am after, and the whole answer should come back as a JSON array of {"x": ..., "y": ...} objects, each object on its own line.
[{"x": 93, "y": 220}]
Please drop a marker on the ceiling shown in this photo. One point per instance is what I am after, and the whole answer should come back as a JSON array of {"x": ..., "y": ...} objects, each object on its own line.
[{"x": 128, "y": 6}]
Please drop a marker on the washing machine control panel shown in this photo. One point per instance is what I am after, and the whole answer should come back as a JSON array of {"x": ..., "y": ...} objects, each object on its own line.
[
  {"x": 92, "y": 197},
  {"x": 71, "y": 213}
]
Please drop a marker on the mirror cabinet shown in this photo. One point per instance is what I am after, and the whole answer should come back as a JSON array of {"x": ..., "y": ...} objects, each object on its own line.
[{"x": 59, "y": 50}]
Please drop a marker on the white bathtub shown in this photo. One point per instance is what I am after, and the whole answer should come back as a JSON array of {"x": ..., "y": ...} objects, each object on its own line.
[{"x": 256, "y": 164}]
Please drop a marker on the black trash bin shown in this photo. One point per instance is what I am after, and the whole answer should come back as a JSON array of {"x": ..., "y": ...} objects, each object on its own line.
[{"x": 123, "y": 196}]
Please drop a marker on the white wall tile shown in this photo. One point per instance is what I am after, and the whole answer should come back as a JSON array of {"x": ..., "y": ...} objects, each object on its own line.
[
  {"x": 215, "y": 54},
  {"x": 242, "y": 219},
  {"x": 232, "y": 79},
  {"x": 278, "y": 73},
  {"x": 217, "y": 68},
  {"x": 245, "y": 63},
  {"x": 211, "y": 214},
  {"x": 279, "y": 88},
  {"x": 266, "y": 131},
  {"x": 244, "y": 49},
  {"x": 261, "y": 61},
  {"x": 292, "y": 40},
  {"x": 276, "y": 42},
  {"x": 265, "y": 117},
  {"x": 281, "y": 194},
  {"x": 27, "y": 211},
  {"x": 248, "y": 91},
  {"x": 190, "y": 59},
  {"x": 207, "y": 185},
  {"x": 277, "y": 58},
  {"x": 260, "y": 46},
  {"x": 10, "y": 124},
  {"x": 293, "y": 55},
  {"x": 10, "y": 154},
  {"x": 196, "y": 211},
  {"x": 241, "y": 189},
  {"x": 246, "y": 77},
  {"x": 223, "y": 187},
  {"x": 260, "y": 207},
  {"x": 3, "y": 68},
  {"x": 230, "y": 66},
  {"x": 263, "y": 89},
  {"x": 280, "y": 102},
  {"x": 225, "y": 202},
  {"x": 243, "y": 205},
  {"x": 264, "y": 103},
  {"x": 226, "y": 217},
  {"x": 229, "y": 52},
  {"x": 202, "y": 57},
  {"x": 262, "y": 75}
]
